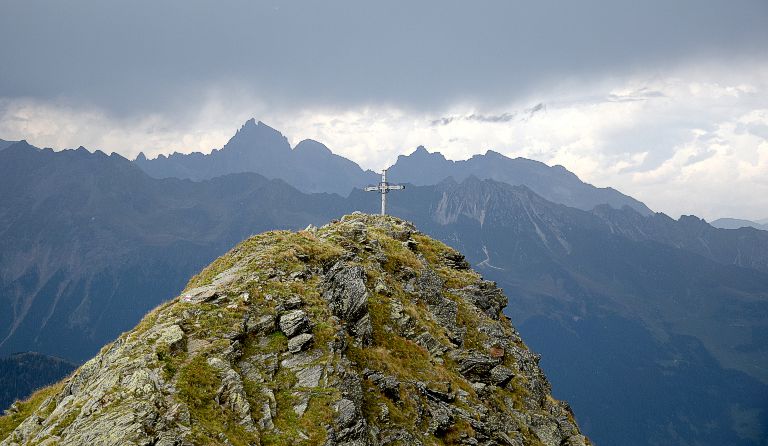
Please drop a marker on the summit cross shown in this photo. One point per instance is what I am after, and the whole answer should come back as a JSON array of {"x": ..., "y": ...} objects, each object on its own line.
[{"x": 383, "y": 188}]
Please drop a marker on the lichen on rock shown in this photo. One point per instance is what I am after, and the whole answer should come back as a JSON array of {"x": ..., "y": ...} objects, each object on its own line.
[{"x": 361, "y": 332}]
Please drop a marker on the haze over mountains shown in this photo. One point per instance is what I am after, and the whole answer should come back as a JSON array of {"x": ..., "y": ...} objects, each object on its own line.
[
  {"x": 259, "y": 148},
  {"x": 736, "y": 223},
  {"x": 312, "y": 167},
  {"x": 4, "y": 143},
  {"x": 637, "y": 315},
  {"x": 23, "y": 373}
]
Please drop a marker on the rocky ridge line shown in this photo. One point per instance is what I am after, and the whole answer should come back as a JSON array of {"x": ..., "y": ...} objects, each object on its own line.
[{"x": 362, "y": 332}]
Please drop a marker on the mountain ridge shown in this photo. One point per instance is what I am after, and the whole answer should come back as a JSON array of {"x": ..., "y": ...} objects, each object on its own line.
[
  {"x": 605, "y": 289},
  {"x": 23, "y": 373},
  {"x": 736, "y": 223},
  {"x": 312, "y": 167},
  {"x": 362, "y": 332},
  {"x": 256, "y": 147}
]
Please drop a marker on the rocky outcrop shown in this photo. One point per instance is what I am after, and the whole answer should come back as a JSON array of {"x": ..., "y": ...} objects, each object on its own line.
[{"x": 362, "y": 332}]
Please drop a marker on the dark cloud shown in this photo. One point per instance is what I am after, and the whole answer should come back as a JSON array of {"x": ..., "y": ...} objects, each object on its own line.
[
  {"x": 503, "y": 117},
  {"x": 149, "y": 55}
]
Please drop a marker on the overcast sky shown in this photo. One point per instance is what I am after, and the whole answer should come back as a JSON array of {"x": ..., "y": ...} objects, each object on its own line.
[{"x": 664, "y": 100}]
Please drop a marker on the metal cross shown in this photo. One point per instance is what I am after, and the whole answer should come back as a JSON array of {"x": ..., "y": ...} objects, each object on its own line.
[{"x": 383, "y": 188}]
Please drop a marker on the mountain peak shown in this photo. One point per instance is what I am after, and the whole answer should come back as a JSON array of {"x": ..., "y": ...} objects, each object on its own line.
[
  {"x": 312, "y": 146},
  {"x": 257, "y": 135},
  {"x": 421, "y": 152},
  {"x": 359, "y": 331},
  {"x": 490, "y": 153}
]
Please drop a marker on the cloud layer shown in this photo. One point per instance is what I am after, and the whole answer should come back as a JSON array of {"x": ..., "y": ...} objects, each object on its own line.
[{"x": 663, "y": 100}]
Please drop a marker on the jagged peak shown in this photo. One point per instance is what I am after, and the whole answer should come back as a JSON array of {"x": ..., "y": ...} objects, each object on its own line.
[
  {"x": 421, "y": 150},
  {"x": 255, "y": 134},
  {"x": 421, "y": 153},
  {"x": 21, "y": 145},
  {"x": 490, "y": 153}
]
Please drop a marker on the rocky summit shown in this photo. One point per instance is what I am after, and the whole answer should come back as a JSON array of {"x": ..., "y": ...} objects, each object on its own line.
[{"x": 361, "y": 332}]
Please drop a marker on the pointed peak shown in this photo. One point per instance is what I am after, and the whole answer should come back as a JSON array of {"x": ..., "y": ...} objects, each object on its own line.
[
  {"x": 21, "y": 145},
  {"x": 141, "y": 157},
  {"x": 257, "y": 134},
  {"x": 421, "y": 150},
  {"x": 252, "y": 125},
  {"x": 494, "y": 154}
]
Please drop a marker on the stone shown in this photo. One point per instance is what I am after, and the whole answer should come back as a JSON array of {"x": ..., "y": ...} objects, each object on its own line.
[
  {"x": 213, "y": 290},
  {"x": 268, "y": 410},
  {"x": 346, "y": 412},
  {"x": 455, "y": 260},
  {"x": 487, "y": 297},
  {"x": 299, "y": 342},
  {"x": 501, "y": 375},
  {"x": 432, "y": 345},
  {"x": 130, "y": 393},
  {"x": 231, "y": 394},
  {"x": 475, "y": 365},
  {"x": 437, "y": 391},
  {"x": 263, "y": 324},
  {"x": 347, "y": 297},
  {"x": 310, "y": 376},
  {"x": 294, "y": 322},
  {"x": 171, "y": 336},
  {"x": 429, "y": 287},
  {"x": 389, "y": 385},
  {"x": 441, "y": 418},
  {"x": 301, "y": 407},
  {"x": 292, "y": 303}
]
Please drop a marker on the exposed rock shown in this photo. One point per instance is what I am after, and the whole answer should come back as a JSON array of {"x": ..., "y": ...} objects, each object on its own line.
[
  {"x": 500, "y": 375},
  {"x": 429, "y": 287},
  {"x": 299, "y": 342},
  {"x": 455, "y": 260},
  {"x": 475, "y": 365},
  {"x": 391, "y": 355},
  {"x": 231, "y": 394},
  {"x": 433, "y": 346},
  {"x": 264, "y": 324},
  {"x": 310, "y": 376},
  {"x": 389, "y": 385},
  {"x": 347, "y": 296},
  {"x": 292, "y": 302},
  {"x": 486, "y": 296},
  {"x": 294, "y": 322}
]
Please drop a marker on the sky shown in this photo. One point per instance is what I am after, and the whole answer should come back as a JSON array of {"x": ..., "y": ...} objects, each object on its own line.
[{"x": 666, "y": 101}]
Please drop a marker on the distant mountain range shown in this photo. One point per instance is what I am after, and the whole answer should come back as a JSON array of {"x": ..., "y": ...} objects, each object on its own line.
[
  {"x": 256, "y": 147},
  {"x": 312, "y": 167},
  {"x": 89, "y": 243},
  {"x": 736, "y": 223},
  {"x": 4, "y": 144},
  {"x": 556, "y": 183},
  {"x": 23, "y": 373},
  {"x": 638, "y": 316}
]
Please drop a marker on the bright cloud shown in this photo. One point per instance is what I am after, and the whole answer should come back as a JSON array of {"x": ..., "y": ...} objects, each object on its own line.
[{"x": 692, "y": 142}]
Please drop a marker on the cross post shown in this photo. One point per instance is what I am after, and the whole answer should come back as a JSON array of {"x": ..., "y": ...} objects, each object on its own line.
[{"x": 383, "y": 188}]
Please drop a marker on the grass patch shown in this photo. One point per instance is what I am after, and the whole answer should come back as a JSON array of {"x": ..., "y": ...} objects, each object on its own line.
[
  {"x": 9, "y": 423},
  {"x": 197, "y": 385}
]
